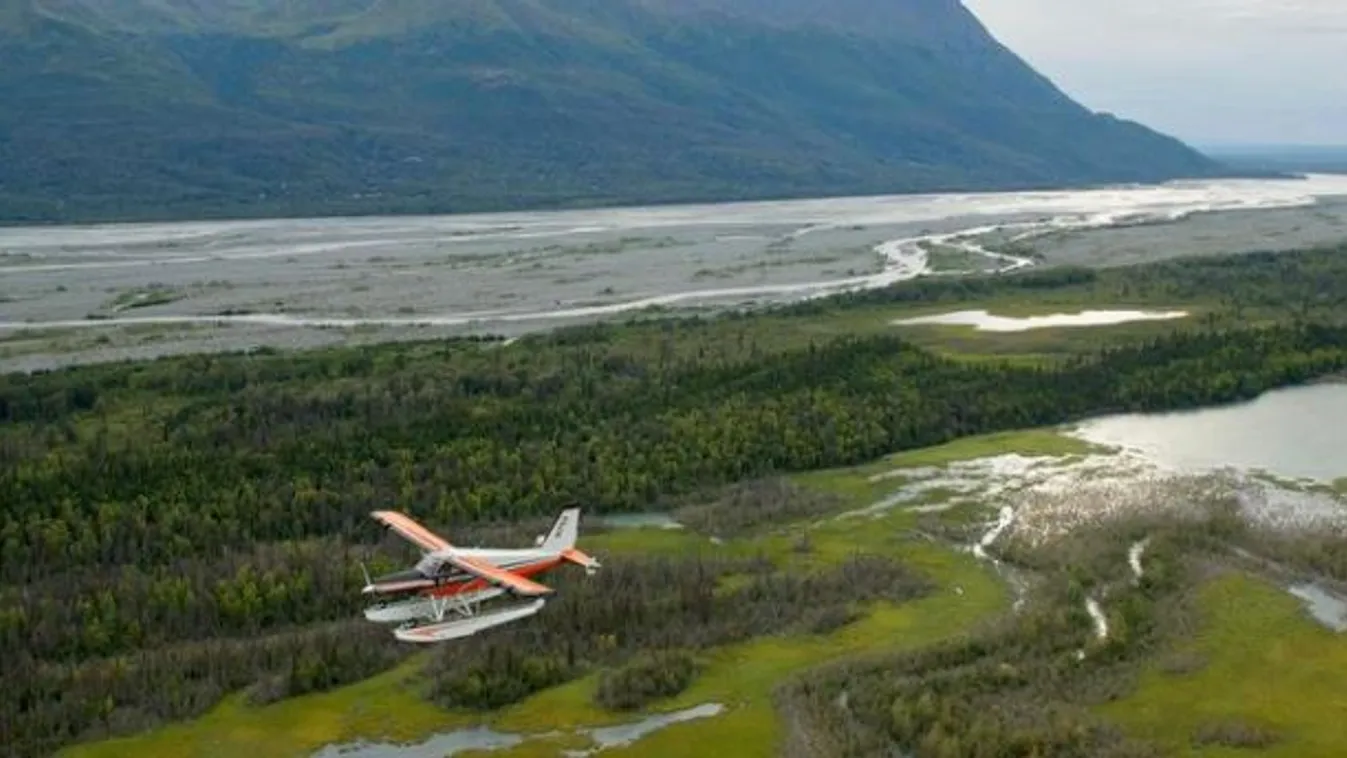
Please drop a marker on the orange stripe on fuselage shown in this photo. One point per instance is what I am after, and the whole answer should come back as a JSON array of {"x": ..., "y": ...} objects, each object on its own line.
[{"x": 477, "y": 584}]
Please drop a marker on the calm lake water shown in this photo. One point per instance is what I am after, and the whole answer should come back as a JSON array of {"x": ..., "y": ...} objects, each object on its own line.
[
  {"x": 986, "y": 322},
  {"x": 1298, "y": 433},
  {"x": 484, "y": 739}
]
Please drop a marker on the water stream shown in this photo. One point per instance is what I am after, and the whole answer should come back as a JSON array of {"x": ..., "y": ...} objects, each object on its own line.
[
  {"x": 1326, "y": 608},
  {"x": 1134, "y": 557},
  {"x": 484, "y": 738}
]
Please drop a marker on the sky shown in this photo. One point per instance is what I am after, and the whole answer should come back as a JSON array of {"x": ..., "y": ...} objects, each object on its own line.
[{"x": 1210, "y": 72}]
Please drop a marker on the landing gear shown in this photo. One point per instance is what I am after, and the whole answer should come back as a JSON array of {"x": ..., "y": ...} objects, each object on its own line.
[
  {"x": 470, "y": 620},
  {"x": 457, "y": 603}
]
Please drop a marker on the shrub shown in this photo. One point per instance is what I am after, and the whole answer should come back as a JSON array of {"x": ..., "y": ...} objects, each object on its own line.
[
  {"x": 646, "y": 679},
  {"x": 1235, "y": 733}
]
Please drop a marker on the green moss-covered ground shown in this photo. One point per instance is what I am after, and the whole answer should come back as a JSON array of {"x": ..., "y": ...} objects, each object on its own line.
[
  {"x": 1262, "y": 662},
  {"x": 390, "y": 706}
]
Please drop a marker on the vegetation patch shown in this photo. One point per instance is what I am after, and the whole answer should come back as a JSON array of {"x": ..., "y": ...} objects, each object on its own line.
[
  {"x": 1015, "y": 686},
  {"x": 1182, "y": 663},
  {"x": 145, "y": 297},
  {"x": 1034, "y": 442},
  {"x": 1269, "y": 667},
  {"x": 646, "y": 679},
  {"x": 1044, "y": 680},
  {"x": 741, "y": 508},
  {"x": 744, "y": 675},
  {"x": 639, "y": 605},
  {"x": 1235, "y": 733},
  {"x": 954, "y": 259},
  {"x": 389, "y": 706}
]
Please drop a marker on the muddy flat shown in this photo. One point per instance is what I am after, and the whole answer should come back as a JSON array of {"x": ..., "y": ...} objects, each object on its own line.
[{"x": 93, "y": 293}]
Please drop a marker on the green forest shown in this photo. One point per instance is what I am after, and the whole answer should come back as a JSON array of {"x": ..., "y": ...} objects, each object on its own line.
[
  {"x": 177, "y": 530},
  {"x": 178, "y": 109}
]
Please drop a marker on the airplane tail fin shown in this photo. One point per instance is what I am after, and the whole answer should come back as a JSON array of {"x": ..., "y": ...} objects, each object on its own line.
[
  {"x": 564, "y": 531},
  {"x": 562, "y": 539}
]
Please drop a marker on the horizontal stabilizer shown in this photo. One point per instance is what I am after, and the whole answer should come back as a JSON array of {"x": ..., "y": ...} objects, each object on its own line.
[
  {"x": 581, "y": 558},
  {"x": 459, "y": 628}
]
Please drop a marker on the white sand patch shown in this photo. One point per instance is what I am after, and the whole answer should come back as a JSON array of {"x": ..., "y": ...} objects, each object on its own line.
[
  {"x": 986, "y": 322},
  {"x": 1097, "y": 616},
  {"x": 1041, "y": 499},
  {"x": 1134, "y": 557},
  {"x": 1003, "y": 522}
]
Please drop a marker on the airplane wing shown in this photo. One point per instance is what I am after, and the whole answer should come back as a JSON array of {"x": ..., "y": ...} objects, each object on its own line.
[
  {"x": 493, "y": 573},
  {"x": 411, "y": 530}
]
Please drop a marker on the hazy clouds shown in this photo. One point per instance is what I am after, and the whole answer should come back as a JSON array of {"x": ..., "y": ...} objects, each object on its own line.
[{"x": 1204, "y": 70}]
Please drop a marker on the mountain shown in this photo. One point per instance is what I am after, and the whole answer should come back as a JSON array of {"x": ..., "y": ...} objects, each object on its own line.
[{"x": 139, "y": 109}]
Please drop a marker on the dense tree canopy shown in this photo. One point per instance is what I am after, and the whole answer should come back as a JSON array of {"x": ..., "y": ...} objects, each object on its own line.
[{"x": 177, "y": 529}]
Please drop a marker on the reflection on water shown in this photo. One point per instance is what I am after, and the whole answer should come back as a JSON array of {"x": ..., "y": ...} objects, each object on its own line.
[
  {"x": 486, "y": 739},
  {"x": 1328, "y": 609},
  {"x": 1297, "y": 433},
  {"x": 625, "y": 734},
  {"x": 439, "y": 746},
  {"x": 986, "y": 322}
]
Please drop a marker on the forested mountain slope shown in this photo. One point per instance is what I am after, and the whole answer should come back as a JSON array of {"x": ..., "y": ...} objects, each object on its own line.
[{"x": 172, "y": 108}]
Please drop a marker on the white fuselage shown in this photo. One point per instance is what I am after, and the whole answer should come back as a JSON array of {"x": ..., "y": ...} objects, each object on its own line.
[
  {"x": 510, "y": 560},
  {"x": 398, "y": 611}
]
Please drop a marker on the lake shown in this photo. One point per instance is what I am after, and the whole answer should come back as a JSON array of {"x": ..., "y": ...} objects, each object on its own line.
[{"x": 1296, "y": 433}]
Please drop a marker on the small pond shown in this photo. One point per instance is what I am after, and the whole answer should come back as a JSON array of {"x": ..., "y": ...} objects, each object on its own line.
[
  {"x": 985, "y": 322},
  {"x": 1326, "y": 608},
  {"x": 484, "y": 738}
]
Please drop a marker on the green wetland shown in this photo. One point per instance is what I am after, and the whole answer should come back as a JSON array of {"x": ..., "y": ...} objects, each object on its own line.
[{"x": 924, "y": 539}]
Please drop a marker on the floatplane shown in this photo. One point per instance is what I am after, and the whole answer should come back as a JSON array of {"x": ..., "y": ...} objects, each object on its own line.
[{"x": 456, "y": 581}]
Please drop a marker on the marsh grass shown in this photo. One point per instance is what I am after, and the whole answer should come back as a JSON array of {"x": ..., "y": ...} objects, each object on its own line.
[
  {"x": 1160, "y": 682},
  {"x": 742, "y": 508}
]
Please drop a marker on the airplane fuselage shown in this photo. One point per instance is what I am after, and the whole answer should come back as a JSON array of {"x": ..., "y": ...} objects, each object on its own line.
[
  {"x": 441, "y": 597},
  {"x": 415, "y": 593}
]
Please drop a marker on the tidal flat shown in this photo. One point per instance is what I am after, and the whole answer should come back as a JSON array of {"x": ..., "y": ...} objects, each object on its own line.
[{"x": 221, "y": 286}]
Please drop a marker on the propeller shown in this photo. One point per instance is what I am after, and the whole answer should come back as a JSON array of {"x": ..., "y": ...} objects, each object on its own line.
[{"x": 368, "y": 582}]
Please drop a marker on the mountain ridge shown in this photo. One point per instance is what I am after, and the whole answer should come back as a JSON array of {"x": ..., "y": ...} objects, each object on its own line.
[{"x": 143, "y": 109}]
